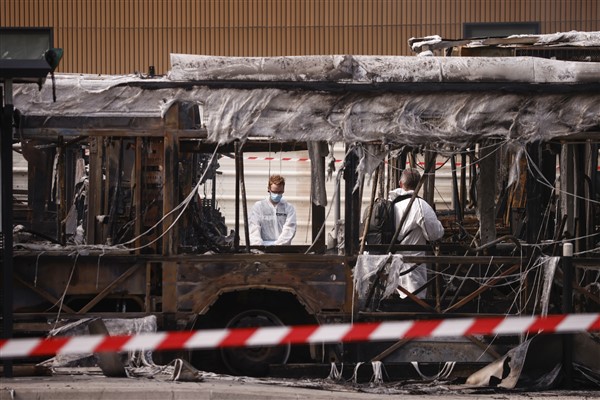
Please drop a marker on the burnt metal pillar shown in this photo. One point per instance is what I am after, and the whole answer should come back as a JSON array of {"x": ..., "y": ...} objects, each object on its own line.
[
  {"x": 591, "y": 190},
  {"x": 6, "y": 138},
  {"x": 239, "y": 154},
  {"x": 352, "y": 205},
  {"x": 318, "y": 234},
  {"x": 238, "y": 163},
  {"x": 580, "y": 193},
  {"x": 533, "y": 206},
  {"x": 541, "y": 175},
  {"x": 170, "y": 178},
  {"x": 456, "y": 200},
  {"x": 429, "y": 186},
  {"x": 463, "y": 180},
  {"x": 486, "y": 193},
  {"x": 61, "y": 198},
  {"x": 318, "y": 199}
]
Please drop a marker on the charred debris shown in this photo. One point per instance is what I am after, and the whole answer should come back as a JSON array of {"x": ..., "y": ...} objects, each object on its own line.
[{"x": 121, "y": 217}]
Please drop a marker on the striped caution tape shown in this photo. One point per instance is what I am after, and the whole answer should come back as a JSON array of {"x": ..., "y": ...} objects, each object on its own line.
[
  {"x": 270, "y": 336},
  {"x": 298, "y": 159},
  {"x": 306, "y": 159}
]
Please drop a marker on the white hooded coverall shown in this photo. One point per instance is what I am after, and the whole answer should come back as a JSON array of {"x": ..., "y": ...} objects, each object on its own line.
[
  {"x": 272, "y": 224},
  {"x": 421, "y": 225}
]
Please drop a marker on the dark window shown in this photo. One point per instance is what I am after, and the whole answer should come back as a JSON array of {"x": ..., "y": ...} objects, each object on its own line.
[
  {"x": 25, "y": 43},
  {"x": 499, "y": 29}
]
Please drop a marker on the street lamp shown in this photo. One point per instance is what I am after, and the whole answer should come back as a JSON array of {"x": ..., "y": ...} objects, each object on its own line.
[{"x": 26, "y": 55}]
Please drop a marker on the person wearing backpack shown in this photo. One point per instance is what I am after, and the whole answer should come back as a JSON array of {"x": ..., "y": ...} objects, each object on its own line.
[{"x": 420, "y": 226}]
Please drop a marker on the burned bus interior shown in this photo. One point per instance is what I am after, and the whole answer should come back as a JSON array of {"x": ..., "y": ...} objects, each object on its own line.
[{"x": 137, "y": 191}]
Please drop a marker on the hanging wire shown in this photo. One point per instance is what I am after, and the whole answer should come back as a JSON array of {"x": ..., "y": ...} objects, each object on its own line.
[
  {"x": 60, "y": 302},
  {"x": 183, "y": 206},
  {"x": 539, "y": 176},
  {"x": 545, "y": 182},
  {"x": 538, "y": 285},
  {"x": 37, "y": 262}
]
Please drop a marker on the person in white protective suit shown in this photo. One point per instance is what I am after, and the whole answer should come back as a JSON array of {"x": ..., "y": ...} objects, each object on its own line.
[
  {"x": 273, "y": 220},
  {"x": 420, "y": 226}
]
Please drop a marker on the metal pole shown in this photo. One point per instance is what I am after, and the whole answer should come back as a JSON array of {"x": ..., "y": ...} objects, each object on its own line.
[
  {"x": 370, "y": 212},
  {"x": 352, "y": 205},
  {"x": 458, "y": 205},
  {"x": 6, "y": 138},
  {"x": 567, "y": 308},
  {"x": 238, "y": 159},
  {"x": 242, "y": 181}
]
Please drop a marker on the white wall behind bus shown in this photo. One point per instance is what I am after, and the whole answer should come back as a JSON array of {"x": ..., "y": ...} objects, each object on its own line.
[{"x": 258, "y": 168}]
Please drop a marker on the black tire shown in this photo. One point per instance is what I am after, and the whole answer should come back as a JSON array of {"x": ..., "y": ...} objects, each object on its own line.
[{"x": 253, "y": 361}]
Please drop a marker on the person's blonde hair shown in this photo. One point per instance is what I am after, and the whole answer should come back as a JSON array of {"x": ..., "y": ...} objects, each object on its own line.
[{"x": 276, "y": 180}]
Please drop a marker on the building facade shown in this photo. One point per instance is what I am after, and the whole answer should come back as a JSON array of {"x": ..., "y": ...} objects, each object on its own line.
[{"x": 127, "y": 36}]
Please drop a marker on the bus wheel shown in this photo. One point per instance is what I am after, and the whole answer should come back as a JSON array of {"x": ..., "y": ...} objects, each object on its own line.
[{"x": 254, "y": 361}]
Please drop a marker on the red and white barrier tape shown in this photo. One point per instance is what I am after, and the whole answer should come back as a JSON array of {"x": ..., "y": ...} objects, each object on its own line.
[
  {"x": 306, "y": 159},
  {"x": 299, "y": 159},
  {"x": 270, "y": 336}
]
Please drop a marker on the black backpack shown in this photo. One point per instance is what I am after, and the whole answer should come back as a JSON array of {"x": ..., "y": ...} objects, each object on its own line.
[{"x": 382, "y": 223}]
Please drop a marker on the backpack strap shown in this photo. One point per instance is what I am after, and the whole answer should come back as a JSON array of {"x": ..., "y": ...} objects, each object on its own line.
[
  {"x": 402, "y": 197},
  {"x": 405, "y": 236},
  {"x": 397, "y": 200}
]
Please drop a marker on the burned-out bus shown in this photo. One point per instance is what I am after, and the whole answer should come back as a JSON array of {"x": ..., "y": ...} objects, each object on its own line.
[{"x": 138, "y": 197}]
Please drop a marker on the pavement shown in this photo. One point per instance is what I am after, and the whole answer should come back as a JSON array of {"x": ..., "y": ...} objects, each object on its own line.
[{"x": 99, "y": 387}]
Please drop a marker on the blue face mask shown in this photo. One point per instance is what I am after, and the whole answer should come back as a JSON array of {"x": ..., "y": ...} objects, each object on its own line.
[{"x": 276, "y": 198}]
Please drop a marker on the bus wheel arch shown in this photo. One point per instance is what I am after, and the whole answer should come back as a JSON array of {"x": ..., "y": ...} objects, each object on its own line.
[{"x": 253, "y": 308}]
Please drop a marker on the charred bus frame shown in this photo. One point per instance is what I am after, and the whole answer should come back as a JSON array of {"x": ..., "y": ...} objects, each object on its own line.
[{"x": 143, "y": 162}]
